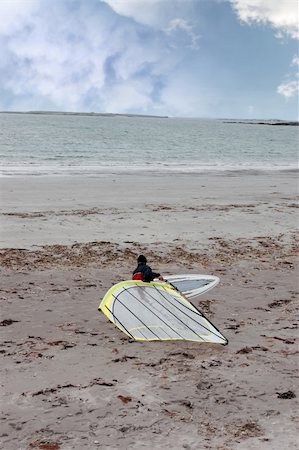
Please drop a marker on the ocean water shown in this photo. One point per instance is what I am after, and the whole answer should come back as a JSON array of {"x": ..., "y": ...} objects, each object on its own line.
[{"x": 39, "y": 144}]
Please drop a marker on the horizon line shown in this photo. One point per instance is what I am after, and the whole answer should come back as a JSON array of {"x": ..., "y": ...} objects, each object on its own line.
[{"x": 107, "y": 114}]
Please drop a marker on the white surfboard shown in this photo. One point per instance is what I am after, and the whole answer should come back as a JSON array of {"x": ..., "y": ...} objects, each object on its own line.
[{"x": 192, "y": 285}]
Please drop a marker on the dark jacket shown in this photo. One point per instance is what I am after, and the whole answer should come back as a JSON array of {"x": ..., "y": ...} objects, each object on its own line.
[{"x": 146, "y": 272}]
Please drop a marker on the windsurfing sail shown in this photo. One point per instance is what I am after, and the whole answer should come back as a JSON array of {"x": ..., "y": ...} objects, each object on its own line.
[
  {"x": 191, "y": 286},
  {"x": 156, "y": 311}
]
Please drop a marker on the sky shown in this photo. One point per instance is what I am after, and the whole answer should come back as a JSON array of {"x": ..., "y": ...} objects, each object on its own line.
[{"x": 182, "y": 58}]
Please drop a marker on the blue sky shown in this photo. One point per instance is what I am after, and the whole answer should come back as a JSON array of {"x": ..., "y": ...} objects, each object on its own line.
[{"x": 187, "y": 58}]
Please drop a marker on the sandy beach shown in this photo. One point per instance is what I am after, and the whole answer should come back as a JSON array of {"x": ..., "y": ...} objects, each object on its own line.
[{"x": 72, "y": 380}]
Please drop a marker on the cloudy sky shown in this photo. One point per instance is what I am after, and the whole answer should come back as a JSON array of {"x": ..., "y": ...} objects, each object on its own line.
[{"x": 191, "y": 58}]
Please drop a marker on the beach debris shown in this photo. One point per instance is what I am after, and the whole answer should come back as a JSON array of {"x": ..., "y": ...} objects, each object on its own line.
[
  {"x": 250, "y": 349},
  {"x": 7, "y": 322},
  {"x": 271, "y": 412},
  {"x": 185, "y": 354},
  {"x": 59, "y": 387},
  {"x": 260, "y": 308},
  {"x": 286, "y": 395},
  {"x": 204, "y": 385},
  {"x": 169, "y": 413},
  {"x": 233, "y": 327},
  {"x": 258, "y": 347},
  {"x": 246, "y": 430},
  {"x": 245, "y": 350},
  {"x": 215, "y": 363},
  {"x": 35, "y": 346},
  {"x": 266, "y": 249},
  {"x": 47, "y": 391},
  {"x": 124, "y": 399},
  {"x": 278, "y": 303},
  {"x": 284, "y": 340},
  {"x": 152, "y": 364},
  {"x": 205, "y": 306},
  {"x": 59, "y": 289},
  {"x": 186, "y": 403},
  {"x": 286, "y": 352},
  {"x": 53, "y": 343},
  {"x": 184, "y": 416},
  {"x": 124, "y": 358},
  {"x": 45, "y": 445},
  {"x": 99, "y": 382}
]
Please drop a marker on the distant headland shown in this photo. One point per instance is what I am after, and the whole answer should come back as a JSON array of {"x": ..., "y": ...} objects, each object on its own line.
[
  {"x": 264, "y": 122},
  {"x": 88, "y": 114}
]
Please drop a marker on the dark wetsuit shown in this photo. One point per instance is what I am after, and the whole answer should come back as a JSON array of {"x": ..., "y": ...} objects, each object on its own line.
[{"x": 144, "y": 273}]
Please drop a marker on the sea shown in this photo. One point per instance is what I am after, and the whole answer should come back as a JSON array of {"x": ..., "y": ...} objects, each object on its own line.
[{"x": 65, "y": 144}]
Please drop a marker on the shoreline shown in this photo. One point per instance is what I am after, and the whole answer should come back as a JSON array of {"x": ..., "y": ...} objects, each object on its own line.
[{"x": 153, "y": 172}]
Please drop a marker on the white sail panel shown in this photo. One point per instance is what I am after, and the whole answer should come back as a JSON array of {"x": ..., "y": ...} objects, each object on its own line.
[{"x": 156, "y": 311}]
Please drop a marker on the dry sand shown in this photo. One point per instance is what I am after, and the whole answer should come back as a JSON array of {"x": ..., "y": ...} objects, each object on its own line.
[{"x": 71, "y": 380}]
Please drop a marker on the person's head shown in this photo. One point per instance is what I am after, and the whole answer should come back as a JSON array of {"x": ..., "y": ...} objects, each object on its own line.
[{"x": 141, "y": 259}]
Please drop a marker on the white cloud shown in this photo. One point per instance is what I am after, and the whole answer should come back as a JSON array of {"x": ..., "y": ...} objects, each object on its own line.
[
  {"x": 184, "y": 95},
  {"x": 51, "y": 59},
  {"x": 283, "y": 16},
  {"x": 288, "y": 89},
  {"x": 142, "y": 11},
  {"x": 295, "y": 61},
  {"x": 92, "y": 58},
  {"x": 129, "y": 96},
  {"x": 172, "y": 17},
  {"x": 280, "y": 14},
  {"x": 13, "y": 13},
  {"x": 83, "y": 55},
  {"x": 181, "y": 25}
]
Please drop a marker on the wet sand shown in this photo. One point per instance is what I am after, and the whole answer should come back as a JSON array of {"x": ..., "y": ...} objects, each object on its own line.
[{"x": 72, "y": 380}]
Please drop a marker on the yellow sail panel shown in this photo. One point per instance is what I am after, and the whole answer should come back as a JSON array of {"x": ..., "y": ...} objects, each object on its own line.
[{"x": 156, "y": 311}]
